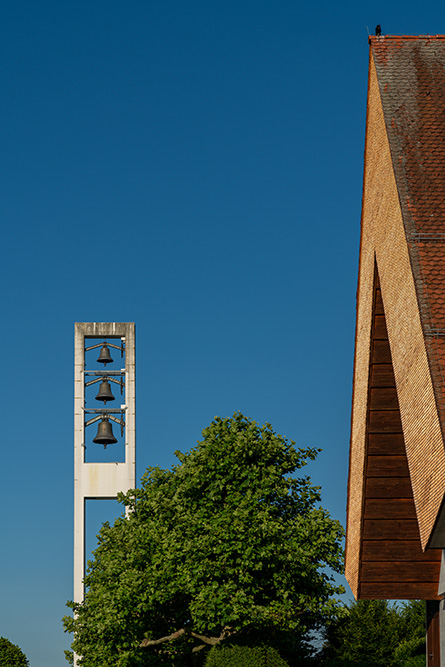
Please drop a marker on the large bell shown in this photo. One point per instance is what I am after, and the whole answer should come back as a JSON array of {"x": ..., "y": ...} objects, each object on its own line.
[
  {"x": 105, "y": 356},
  {"x": 105, "y": 392},
  {"x": 105, "y": 433}
]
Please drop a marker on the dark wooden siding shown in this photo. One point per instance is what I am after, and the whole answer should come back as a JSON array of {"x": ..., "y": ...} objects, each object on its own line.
[{"x": 392, "y": 564}]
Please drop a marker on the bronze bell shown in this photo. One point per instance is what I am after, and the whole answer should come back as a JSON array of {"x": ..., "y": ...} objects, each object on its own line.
[
  {"x": 105, "y": 392},
  {"x": 104, "y": 356},
  {"x": 105, "y": 433}
]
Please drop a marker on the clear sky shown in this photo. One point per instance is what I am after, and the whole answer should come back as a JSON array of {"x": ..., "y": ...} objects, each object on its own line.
[{"x": 195, "y": 167}]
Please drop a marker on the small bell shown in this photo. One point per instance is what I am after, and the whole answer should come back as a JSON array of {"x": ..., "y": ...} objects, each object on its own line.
[
  {"x": 104, "y": 356},
  {"x": 105, "y": 393},
  {"x": 105, "y": 433}
]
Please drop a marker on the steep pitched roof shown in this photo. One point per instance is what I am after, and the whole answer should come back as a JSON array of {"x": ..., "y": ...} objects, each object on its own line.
[{"x": 403, "y": 242}]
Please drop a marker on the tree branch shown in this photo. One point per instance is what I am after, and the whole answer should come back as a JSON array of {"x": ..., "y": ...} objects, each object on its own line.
[
  {"x": 153, "y": 642},
  {"x": 195, "y": 649},
  {"x": 212, "y": 641},
  {"x": 208, "y": 640}
]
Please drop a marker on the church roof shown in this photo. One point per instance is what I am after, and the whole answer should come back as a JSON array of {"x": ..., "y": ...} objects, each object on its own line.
[{"x": 402, "y": 267}]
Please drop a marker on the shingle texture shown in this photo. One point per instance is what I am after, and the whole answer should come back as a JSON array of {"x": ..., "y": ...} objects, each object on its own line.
[{"x": 411, "y": 77}]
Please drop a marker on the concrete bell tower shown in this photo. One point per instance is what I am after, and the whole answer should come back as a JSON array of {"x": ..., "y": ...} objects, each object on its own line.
[{"x": 104, "y": 360}]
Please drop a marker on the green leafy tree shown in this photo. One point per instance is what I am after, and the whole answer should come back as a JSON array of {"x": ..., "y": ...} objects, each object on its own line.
[
  {"x": 11, "y": 655},
  {"x": 228, "y": 541},
  {"x": 410, "y": 651},
  {"x": 373, "y": 633}
]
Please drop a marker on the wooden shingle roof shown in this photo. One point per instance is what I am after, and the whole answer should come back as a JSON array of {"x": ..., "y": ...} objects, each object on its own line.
[{"x": 401, "y": 294}]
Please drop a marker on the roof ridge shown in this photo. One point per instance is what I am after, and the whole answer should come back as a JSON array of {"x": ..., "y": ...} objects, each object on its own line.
[{"x": 380, "y": 38}]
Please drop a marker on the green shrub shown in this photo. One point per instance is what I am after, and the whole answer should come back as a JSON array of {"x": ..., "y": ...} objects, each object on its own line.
[
  {"x": 349, "y": 663},
  {"x": 244, "y": 656}
]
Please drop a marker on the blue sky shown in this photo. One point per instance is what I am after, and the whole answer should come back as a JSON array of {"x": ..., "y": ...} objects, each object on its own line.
[{"x": 196, "y": 168}]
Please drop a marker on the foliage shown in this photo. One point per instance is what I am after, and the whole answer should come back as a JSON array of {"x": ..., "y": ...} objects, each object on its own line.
[
  {"x": 69, "y": 657},
  {"x": 244, "y": 656},
  {"x": 227, "y": 540},
  {"x": 11, "y": 655},
  {"x": 410, "y": 651},
  {"x": 374, "y": 633}
]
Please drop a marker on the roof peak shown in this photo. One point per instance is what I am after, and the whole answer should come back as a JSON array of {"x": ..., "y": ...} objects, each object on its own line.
[{"x": 380, "y": 38}]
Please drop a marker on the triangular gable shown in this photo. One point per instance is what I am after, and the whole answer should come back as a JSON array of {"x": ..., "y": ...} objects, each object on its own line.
[
  {"x": 391, "y": 561},
  {"x": 415, "y": 355}
]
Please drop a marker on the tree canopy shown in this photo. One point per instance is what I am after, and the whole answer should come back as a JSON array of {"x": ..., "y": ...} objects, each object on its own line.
[
  {"x": 226, "y": 542},
  {"x": 11, "y": 655},
  {"x": 374, "y": 633}
]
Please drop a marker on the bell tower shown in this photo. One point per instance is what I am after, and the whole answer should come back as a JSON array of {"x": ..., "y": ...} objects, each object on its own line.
[{"x": 104, "y": 397}]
